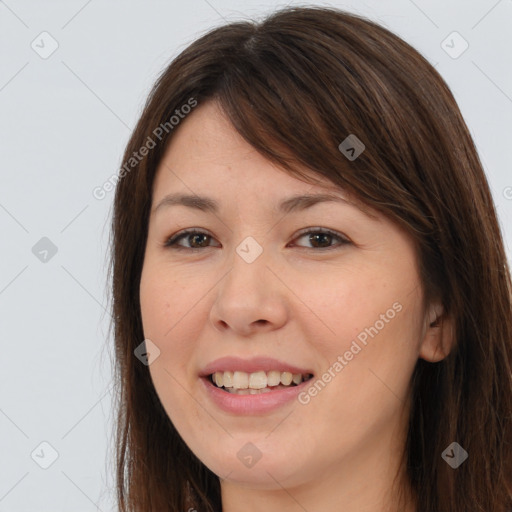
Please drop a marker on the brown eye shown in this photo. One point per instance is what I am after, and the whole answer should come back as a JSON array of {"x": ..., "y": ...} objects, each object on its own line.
[
  {"x": 323, "y": 238},
  {"x": 196, "y": 240},
  {"x": 319, "y": 238}
]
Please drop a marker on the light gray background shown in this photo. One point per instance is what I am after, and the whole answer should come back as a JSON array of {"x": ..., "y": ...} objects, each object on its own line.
[{"x": 64, "y": 123}]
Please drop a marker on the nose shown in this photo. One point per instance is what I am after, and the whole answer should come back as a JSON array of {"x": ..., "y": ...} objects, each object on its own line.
[{"x": 251, "y": 298}]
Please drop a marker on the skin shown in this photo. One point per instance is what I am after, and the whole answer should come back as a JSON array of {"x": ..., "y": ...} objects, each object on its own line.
[{"x": 296, "y": 302}]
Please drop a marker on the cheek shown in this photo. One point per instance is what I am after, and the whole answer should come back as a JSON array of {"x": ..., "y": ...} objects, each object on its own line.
[
  {"x": 347, "y": 304},
  {"x": 169, "y": 310},
  {"x": 372, "y": 324},
  {"x": 165, "y": 301},
  {"x": 166, "y": 309}
]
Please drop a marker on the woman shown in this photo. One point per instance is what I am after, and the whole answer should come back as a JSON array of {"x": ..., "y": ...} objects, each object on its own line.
[{"x": 311, "y": 297}]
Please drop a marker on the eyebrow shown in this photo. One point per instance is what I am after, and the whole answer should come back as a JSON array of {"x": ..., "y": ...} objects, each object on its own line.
[{"x": 291, "y": 204}]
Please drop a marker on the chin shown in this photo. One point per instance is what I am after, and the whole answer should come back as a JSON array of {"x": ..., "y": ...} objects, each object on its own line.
[{"x": 270, "y": 468}]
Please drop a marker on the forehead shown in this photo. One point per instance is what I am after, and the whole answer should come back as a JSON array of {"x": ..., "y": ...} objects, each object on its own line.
[
  {"x": 207, "y": 150},
  {"x": 207, "y": 157}
]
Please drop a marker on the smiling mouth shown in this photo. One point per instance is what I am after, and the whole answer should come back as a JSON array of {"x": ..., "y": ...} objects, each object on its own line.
[{"x": 242, "y": 383}]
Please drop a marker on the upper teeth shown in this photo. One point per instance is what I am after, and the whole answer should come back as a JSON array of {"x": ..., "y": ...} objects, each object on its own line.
[{"x": 256, "y": 380}]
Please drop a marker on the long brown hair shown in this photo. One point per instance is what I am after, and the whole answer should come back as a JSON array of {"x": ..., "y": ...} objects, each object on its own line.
[{"x": 295, "y": 86}]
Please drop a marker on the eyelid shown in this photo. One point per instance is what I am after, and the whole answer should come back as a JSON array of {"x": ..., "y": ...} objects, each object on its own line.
[{"x": 343, "y": 239}]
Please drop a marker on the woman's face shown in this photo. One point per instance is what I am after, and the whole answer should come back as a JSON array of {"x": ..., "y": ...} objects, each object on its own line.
[{"x": 263, "y": 282}]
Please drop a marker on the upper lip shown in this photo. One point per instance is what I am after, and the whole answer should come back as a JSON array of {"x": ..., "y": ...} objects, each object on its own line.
[{"x": 254, "y": 364}]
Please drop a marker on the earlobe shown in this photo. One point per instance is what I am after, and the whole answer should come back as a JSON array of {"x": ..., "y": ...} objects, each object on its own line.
[{"x": 438, "y": 337}]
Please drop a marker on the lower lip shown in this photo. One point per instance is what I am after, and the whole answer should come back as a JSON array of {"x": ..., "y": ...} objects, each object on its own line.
[{"x": 251, "y": 404}]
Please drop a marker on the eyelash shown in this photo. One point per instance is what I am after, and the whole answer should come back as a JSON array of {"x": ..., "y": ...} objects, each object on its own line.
[{"x": 172, "y": 241}]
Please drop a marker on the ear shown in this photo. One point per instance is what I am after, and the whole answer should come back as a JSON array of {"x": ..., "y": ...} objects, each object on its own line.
[{"x": 438, "y": 339}]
